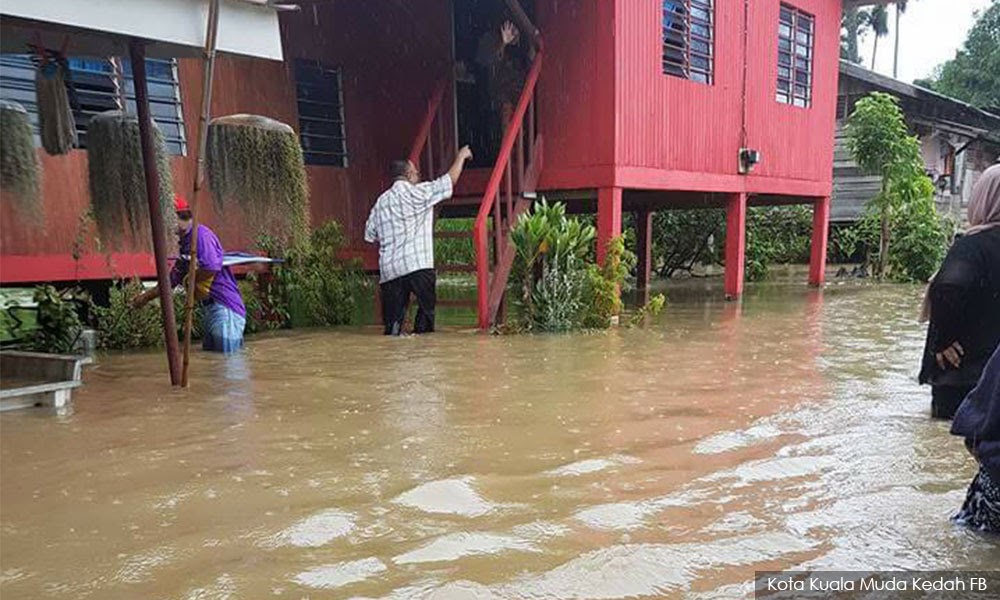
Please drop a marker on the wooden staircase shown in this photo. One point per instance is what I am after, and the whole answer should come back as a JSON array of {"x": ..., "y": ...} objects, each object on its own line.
[{"x": 509, "y": 192}]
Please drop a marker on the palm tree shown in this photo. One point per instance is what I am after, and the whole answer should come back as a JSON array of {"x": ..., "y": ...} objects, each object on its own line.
[
  {"x": 880, "y": 26},
  {"x": 900, "y": 9}
]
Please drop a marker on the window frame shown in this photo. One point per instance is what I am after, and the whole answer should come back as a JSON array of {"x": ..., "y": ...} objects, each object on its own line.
[
  {"x": 85, "y": 79},
  {"x": 799, "y": 44},
  {"x": 681, "y": 29},
  {"x": 322, "y": 111}
]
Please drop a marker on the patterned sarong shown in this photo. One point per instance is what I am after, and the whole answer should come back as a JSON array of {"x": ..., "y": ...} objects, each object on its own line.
[{"x": 982, "y": 505}]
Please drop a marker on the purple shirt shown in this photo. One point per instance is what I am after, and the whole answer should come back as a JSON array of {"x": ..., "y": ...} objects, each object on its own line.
[{"x": 221, "y": 286}]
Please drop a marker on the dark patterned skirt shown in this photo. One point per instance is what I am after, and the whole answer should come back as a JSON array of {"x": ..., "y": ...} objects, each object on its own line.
[{"x": 981, "y": 510}]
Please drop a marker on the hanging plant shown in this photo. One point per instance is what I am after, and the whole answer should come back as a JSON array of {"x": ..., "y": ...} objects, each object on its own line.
[
  {"x": 257, "y": 163},
  {"x": 55, "y": 114},
  {"x": 118, "y": 180},
  {"x": 19, "y": 168}
]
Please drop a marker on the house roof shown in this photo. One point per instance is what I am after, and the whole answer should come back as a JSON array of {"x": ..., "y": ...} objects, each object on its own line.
[
  {"x": 172, "y": 28},
  {"x": 928, "y": 105}
]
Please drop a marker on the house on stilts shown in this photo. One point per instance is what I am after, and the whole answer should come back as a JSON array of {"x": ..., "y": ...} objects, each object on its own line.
[{"x": 627, "y": 106}]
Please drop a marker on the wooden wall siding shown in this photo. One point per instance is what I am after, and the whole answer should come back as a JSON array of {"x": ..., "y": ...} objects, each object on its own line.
[
  {"x": 667, "y": 123},
  {"x": 576, "y": 92}
]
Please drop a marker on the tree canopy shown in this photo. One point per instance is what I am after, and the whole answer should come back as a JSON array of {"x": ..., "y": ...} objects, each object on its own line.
[{"x": 974, "y": 74}]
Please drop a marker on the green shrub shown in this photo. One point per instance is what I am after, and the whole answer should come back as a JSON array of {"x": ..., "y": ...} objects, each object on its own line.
[
  {"x": 558, "y": 286},
  {"x": 880, "y": 143},
  {"x": 313, "y": 287},
  {"x": 120, "y": 326},
  {"x": 602, "y": 298},
  {"x": 57, "y": 325}
]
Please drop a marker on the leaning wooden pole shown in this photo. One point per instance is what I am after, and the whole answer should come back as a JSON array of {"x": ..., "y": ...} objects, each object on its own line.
[
  {"x": 138, "y": 57},
  {"x": 211, "y": 35}
]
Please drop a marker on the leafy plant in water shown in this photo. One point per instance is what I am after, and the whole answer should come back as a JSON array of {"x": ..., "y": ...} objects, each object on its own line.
[
  {"x": 257, "y": 162},
  {"x": 881, "y": 145},
  {"x": 120, "y": 326},
  {"x": 57, "y": 323},
  {"x": 549, "y": 269},
  {"x": 313, "y": 287},
  {"x": 650, "y": 309},
  {"x": 118, "y": 180},
  {"x": 602, "y": 299}
]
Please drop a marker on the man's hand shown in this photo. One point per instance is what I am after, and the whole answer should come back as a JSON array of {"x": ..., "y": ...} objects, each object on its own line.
[
  {"x": 509, "y": 33},
  {"x": 952, "y": 355},
  {"x": 465, "y": 154}
]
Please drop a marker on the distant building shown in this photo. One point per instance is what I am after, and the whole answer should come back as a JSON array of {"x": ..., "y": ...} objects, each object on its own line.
[{"x": 958, "y": 142}]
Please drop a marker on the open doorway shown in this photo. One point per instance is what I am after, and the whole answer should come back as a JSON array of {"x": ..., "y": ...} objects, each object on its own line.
[{"x": 489, "y": 73}]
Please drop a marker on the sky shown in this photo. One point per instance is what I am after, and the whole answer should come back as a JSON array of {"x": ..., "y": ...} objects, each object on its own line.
[{"x": 932, "y": 31}]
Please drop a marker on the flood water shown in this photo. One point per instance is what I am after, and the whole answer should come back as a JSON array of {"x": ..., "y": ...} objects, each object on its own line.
[{"x": 669, "y": 461}]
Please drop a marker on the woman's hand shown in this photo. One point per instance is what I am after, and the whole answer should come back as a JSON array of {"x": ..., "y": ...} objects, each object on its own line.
[
  {"x": 509, "y": 33},
  {"x": 952, "y": 355}
]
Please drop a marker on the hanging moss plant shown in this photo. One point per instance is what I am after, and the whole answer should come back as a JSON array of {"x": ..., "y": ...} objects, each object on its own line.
[
  {"x": 55, "y": 114},
  {"x": 19, "y": 169},
  {"x": 257, "y": 163},
  {"x": 118, "y": 181}
]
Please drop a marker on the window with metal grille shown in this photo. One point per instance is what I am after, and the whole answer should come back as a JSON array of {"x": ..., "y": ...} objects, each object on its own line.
[
  {"x": 321, "y": 113},
  {"x": 98, "y": 85},
  {"x": 796, "y": 31},
  {"x": 688, "y": 31}
]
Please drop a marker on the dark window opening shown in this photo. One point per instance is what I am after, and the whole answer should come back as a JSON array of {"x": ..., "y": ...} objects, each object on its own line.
[
  {"x": 796, "y": 31},
  {"x": 98, "y": 85},
  {"x": 688, "y": 49},
  {"x": 318, "y": 90}
]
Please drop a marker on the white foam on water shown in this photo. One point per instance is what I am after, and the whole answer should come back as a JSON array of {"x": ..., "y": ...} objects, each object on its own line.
[
  {"x": 317, "y": 530},
  {"x": 340, "y": 574},
  {"x": 639, "y": 570},
  {"x": 459, "y": 545},
  {"x": 448, "y": 496},
  {"x": 734, "y": 440},
  {"x": 592, "y": 465},
  {"x": 617, "y": 516}
]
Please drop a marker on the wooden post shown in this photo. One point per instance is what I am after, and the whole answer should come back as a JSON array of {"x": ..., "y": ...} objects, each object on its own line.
[
  {"x": 644, "y": 251},
  {"x": 609, "y": 219},
  {"x": 820, "y": 236},
  {"x": 138, "y": 57},
  {"x": 736, "y": 240},
  {"x": 199, "y": 176}
]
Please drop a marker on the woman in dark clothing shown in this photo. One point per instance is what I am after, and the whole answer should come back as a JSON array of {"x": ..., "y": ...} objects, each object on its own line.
[
  {"x": 963, "y": 304},
  {"x": 978, "y": 421}
]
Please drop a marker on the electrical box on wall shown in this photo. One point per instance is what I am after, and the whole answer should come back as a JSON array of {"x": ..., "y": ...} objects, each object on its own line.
[{"x": 748, "y": 159}]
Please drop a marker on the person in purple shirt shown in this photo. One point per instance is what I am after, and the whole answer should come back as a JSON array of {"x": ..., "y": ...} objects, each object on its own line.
[{"x": 223, "y": 312}]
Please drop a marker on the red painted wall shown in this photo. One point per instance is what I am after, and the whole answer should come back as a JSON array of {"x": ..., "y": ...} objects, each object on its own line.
[
  {"x": 576, "y": 92},
  {"x": 672, "y": 133}
]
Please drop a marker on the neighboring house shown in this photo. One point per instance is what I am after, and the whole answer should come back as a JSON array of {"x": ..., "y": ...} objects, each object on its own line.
[
  {"x": 629, "y": 105},
  {"x": 958, "y": 142}
]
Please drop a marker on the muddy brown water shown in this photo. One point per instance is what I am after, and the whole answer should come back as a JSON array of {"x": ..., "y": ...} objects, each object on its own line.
[{"x": 670, "y": 461}]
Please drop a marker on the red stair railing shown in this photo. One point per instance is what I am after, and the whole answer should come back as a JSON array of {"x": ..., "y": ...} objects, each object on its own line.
[{"x": 516, "y": 169}]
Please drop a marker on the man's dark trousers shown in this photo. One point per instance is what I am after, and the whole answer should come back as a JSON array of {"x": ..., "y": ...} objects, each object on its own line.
[{"x": 396, "y": 299}]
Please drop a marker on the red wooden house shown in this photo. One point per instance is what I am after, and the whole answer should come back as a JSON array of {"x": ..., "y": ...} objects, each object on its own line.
[{"x": 628, "y": 105}]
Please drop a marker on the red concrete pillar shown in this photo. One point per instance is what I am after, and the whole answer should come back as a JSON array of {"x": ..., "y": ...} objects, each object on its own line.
[
  {"x": 821, "y": 233},
  {"x": 609, "y": 218},
  {"x": 644, "y": 251},
  {"x": 736, "y": 242}
]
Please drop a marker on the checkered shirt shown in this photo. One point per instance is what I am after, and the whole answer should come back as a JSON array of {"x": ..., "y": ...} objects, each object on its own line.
[{"x": 402, "y": 223}]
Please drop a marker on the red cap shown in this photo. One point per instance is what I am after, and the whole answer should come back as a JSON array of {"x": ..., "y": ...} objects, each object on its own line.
[{"x": 180, "y": 204}]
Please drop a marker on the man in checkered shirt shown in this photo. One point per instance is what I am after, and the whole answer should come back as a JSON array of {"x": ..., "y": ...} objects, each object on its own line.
[{"x": 402, "y": 223}]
